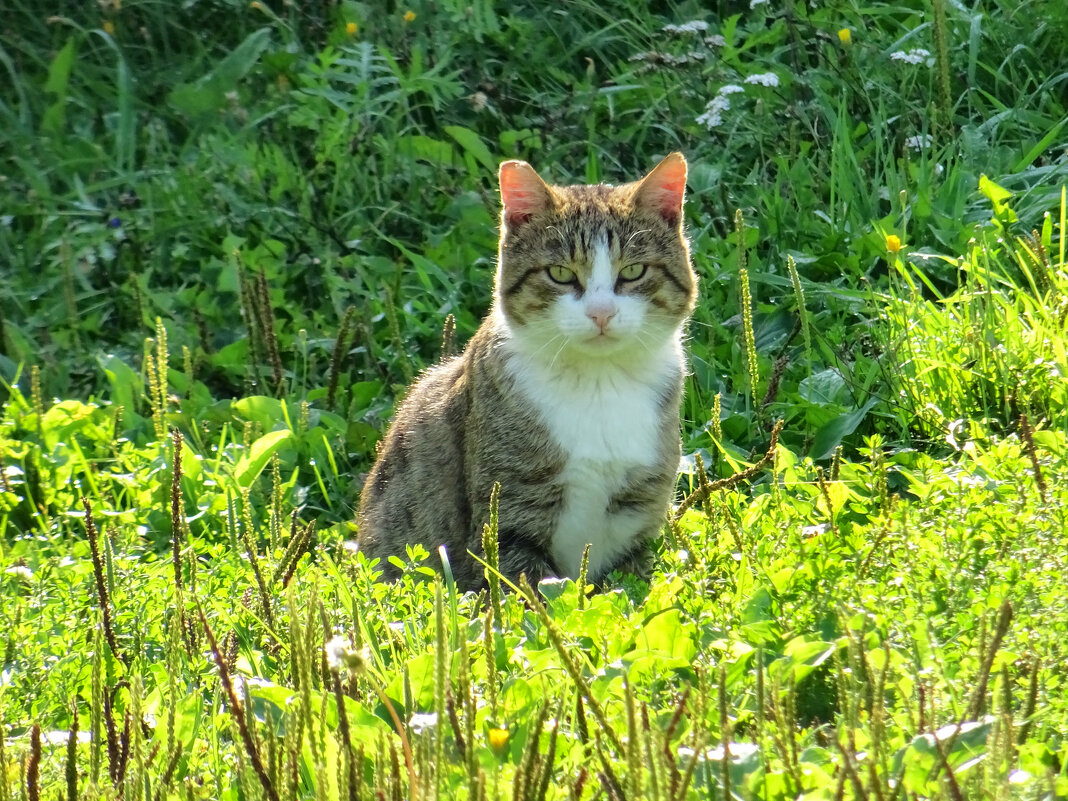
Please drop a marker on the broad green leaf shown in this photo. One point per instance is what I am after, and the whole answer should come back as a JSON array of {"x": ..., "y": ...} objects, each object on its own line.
[
  {"x": 58, "y": 78},
  {"x": 126, "y": 385},
  {"x": 252, "y": 464},
  {"x": 830, "y": 436},
  {"x": 998, "y": 197},
  {"x": 209, "y": 93},
  {"x": 822, "y": 388},
  {"x": 472, "y": 143},
  {"x": 668, "y": 633}
]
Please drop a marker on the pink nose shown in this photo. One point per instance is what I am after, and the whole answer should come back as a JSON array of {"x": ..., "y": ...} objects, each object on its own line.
[{"x": 601, "y": 317}]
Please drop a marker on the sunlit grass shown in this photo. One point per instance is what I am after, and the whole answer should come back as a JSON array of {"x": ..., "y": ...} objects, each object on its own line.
[{"x": 226, "y": 255}]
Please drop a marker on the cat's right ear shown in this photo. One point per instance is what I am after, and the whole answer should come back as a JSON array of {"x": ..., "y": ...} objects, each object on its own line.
[{"x": 523, "y": 193}]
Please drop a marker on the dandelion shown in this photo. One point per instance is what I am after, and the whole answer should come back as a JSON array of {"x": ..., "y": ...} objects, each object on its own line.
[
  {"x": 409, "y": 16},
  {"x": 693, "y": 26},
  {"x": 915, "y": 56},
  {"x": 351, "y": 28},
  {"x": 845, "y": 36},
  {"x": 893, "y": 243},
  {"x": 763, "y": 79},
  {"x": 498, "y": 739},
  {"x": 109, "y": 27}
]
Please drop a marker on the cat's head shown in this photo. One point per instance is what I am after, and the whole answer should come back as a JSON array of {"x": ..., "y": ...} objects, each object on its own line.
[{"x": 594, "y": 271}]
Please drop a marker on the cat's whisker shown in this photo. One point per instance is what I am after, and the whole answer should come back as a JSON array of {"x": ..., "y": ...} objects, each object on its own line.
[
  {"x": 556, "y": 355},
  {"x": 637, "y": 233}
]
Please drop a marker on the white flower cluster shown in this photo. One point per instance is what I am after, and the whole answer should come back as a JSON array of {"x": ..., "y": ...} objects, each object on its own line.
[
  {"x": 714, "y": 108},
  {"x": 693, "y": 26},
  {"x": 763, "y": 79},
  {"x": 754, "y": 3},
  {"x": 653, "y": 57},
  {"x": 713, "y": 114},
  {"x": 919, "y": 141},
  {"x": 915, "y": 56},
  {"x": 716, "y": 40}
]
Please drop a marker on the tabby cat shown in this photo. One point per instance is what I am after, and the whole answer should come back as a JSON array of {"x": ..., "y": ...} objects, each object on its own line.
[{"x": 568, "y": 394}]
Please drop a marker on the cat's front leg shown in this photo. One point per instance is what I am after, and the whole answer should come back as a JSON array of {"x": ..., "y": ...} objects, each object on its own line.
[
  {"x": 637, "y": 562},
  {"x": 519, "y": 557}
]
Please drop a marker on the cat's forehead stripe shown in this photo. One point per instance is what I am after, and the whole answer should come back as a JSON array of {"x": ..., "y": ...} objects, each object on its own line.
[{"x": 600, "y": 266}]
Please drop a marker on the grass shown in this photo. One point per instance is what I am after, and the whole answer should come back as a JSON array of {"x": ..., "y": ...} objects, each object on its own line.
[{"x": 228, "y": 254}]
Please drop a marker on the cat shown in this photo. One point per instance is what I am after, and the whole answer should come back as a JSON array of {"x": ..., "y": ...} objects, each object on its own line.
[{"x": 568, "y": 394}]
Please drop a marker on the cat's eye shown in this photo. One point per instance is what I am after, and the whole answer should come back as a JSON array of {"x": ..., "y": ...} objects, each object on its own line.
[
  {"x": 632, "y": 272},
  {"x": 561, "y": 274}
]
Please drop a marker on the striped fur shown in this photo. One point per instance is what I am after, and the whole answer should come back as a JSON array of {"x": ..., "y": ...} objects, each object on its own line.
[{"x": 568, "y": 394}]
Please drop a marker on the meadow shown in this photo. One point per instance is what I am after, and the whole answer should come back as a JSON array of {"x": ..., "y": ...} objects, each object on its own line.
[{"x": 232, "y": 233}]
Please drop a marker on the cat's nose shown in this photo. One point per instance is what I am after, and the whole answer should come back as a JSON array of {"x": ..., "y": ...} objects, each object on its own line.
[{"x": 601, "y": 315}]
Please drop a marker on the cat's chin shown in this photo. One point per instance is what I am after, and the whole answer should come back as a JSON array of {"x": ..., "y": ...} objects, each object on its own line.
[{"x": 605, "y": 348}]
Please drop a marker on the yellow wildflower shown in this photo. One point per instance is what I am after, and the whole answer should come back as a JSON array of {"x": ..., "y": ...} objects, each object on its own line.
[
  {"x": 893, "y": 243},
  {"x": 256, "y": 4},
  {"x": 845, "y": 36},
  {"x": 498, "y": 738},
  {"x": 409, "y": 15},
  {"x": 109, "y": 27},
  {"x": 351, "y": 28}
]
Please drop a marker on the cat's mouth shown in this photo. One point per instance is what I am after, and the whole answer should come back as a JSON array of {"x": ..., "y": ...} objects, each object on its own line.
[{"x": 601, "y": 343}]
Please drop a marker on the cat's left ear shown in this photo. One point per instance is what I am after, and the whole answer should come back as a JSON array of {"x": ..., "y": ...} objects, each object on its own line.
[
  {"x": 523, "y": 193},
  {"x": 663, "y": 189}
]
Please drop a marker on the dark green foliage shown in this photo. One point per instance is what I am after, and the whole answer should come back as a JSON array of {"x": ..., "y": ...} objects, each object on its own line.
[{"x": 233, "y": 232}]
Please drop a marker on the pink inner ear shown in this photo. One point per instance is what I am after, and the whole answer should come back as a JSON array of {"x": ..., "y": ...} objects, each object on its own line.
[
  {"x": 522, "y": 191},
  {"x": 665, "y": 187}
]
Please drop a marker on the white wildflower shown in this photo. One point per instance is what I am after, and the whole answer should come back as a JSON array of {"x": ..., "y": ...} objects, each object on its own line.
[
  {"x": 764, "y": 79},
  {"x": 715, "y": 40},
  {"x": 915, "y": 56},
  {"x": 423, "y": 721},
  {"x": 340, "y": 655},
  {"x": 336, "y": 651},
  {"x": 710, "y": 119},
  {"x": 21, "y": 571},
  {"x": 754, "y": 3},
  {"x": 713, "y": 115},
  {"x": 919, "y": 142},
  {"x": 731, "y": 89},
  {"x": 693, "y": 26}
]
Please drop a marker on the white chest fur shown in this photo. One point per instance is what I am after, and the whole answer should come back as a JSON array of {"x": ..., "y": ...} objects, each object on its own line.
[{"x": 607, "y": 419}]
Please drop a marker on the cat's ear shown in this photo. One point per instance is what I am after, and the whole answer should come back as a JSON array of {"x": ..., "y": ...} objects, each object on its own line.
[
  {"x": 523, "y": 193},
  {"x": 662, "y": 190}
]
